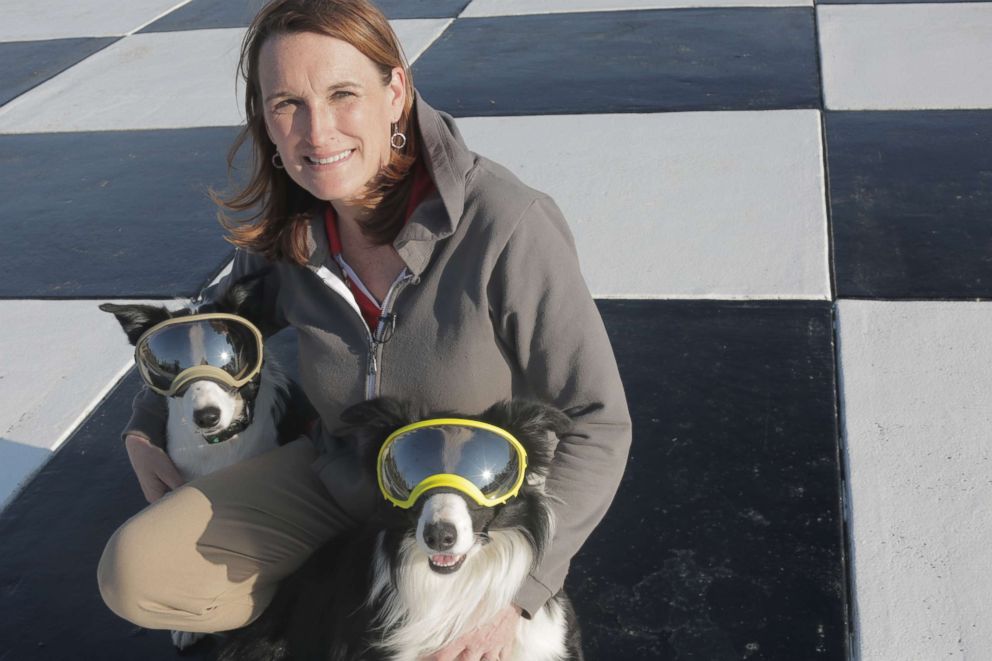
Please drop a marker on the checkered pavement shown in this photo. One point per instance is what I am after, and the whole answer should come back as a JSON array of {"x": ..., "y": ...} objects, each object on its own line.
[{"x": 784, "y": 209}]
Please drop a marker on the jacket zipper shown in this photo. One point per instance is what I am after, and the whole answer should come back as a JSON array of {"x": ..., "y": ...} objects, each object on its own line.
[{"x": 376, "y": 339}]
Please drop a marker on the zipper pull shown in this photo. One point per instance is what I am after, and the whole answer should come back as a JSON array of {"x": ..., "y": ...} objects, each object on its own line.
[
  {"x": 384, "y": 329},
  {"x": 373, "y": 368}
]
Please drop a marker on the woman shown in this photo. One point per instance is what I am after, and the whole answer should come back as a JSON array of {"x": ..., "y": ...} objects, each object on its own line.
[{"x": 410, "y": 267}]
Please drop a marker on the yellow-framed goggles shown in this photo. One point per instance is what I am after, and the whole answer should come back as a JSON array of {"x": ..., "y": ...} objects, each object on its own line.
[
  {"x": 219, "y": 346},
  {"x": 481, "y": 460}
]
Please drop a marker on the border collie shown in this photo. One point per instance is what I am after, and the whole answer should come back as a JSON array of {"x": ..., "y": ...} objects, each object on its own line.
[
  {"x": 204, "y": 409},
  {"x": 383, "y": 593}
]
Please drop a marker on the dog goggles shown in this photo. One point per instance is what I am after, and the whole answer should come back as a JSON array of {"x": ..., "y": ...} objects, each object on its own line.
[
  {"x": 223, "y": 347},
  {"x": 482, "y": 461}
]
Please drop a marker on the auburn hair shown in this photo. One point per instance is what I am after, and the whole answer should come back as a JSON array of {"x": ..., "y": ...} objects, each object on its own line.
[{"x": 278, "y": 208}]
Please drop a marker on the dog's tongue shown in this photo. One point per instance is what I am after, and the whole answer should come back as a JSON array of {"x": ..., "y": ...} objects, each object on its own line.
[{"x": 443, "y": 560}]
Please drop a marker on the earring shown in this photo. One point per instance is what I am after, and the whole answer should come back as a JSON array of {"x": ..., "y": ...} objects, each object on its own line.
[
  {"x": 277, "y": 163},
  {"x": 397, "y": 140}
]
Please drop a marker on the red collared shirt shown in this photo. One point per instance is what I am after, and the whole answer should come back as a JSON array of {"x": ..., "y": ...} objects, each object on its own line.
[{"x": 371, "y": 309}]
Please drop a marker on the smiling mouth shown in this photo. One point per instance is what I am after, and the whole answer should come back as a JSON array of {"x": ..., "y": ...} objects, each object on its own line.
[
  {"x": 337, "y": 158},
  {"x": 445, "y": 564}
]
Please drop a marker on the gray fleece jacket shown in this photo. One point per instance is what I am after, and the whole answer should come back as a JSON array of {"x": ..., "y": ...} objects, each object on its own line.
[{"x": 491, "y": 306}]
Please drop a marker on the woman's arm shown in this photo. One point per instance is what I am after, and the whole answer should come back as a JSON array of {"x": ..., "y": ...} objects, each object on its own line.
[{"x": 549, "y": 323}]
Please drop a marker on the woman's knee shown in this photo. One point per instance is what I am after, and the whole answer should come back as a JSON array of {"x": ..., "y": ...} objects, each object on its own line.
[
  {"x": 145, "y": 569},
  {"x": 122, "y": 585},
  {"x": 137, "y": 588}
]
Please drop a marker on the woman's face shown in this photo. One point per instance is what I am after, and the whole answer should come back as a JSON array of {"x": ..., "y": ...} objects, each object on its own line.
[{"x": 328, "y": 112}]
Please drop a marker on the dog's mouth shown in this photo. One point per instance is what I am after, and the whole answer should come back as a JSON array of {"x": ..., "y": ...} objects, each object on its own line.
[{"x": 446, "y": 564}]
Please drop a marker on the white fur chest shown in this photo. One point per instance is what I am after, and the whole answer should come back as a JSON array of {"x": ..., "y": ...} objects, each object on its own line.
[{"x": 425, "y": 610}]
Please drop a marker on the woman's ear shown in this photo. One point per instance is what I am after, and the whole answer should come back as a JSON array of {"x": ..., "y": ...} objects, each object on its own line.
[{"x": 397, "y": 94}]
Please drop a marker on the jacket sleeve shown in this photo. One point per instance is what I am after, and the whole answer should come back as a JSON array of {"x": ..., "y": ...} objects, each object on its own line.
[
  {"x": 549, "y": 323},
  {"x": 149, "y": 411}
]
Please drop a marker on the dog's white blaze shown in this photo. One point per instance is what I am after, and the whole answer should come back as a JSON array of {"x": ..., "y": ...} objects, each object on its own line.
[
  {"x": 194, "y": 457},
  {"x": 425, "y": 610},
  {"x": 204, "y": 393},
  {"x": 447, "y": 508}
]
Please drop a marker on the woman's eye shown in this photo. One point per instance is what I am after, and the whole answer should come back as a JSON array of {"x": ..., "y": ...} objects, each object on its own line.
[
  {"x": 284, "y": 106},
  {"x": 341, "y": 94}
]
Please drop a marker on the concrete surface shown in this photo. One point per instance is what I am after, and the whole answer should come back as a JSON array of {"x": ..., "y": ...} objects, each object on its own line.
[
  {"x": 158, "y": 81},
  {"x": 680, "y": 207},
  {"x": 915, "y": 402},
  {"x": 51, "y": 377},
  {"x": 891, "y": 57},
  {"x": 720, "y": 155}
]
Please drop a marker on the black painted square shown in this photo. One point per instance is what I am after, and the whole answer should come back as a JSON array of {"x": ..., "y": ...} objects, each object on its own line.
[
  {"x": 51, "y": 609},
  {"x": 421, "y": 8},
  {"x": 888, "y": 2},
  {"x": 30, "y": 63},
  {"x": 624, "y": 61},
  {"x": 725, "y": 540},
  {"x": 204, "y": 14},
  {"x": 111, "y": 214},
  {"x": 911, "y": 203},
  {"x": 208, "y": 14},
  {"x": 51, "y": 538}
]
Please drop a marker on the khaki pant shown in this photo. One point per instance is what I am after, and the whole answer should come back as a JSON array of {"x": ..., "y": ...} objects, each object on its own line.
[{"x": 208, "y": 556}]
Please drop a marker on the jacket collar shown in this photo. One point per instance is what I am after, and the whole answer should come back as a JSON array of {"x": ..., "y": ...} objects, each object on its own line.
[{"x": 448, "y": 161}]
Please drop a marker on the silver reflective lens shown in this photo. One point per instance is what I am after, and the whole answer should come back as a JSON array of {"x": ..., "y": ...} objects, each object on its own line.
[
  {"x": 482, "y": 457},
  {"x": 224, "y": 344}
]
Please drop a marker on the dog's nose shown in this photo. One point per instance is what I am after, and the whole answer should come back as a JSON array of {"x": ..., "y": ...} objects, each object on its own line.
[
  {"x": 206, "y": 417},
  {"x": 440, "y": 536}
]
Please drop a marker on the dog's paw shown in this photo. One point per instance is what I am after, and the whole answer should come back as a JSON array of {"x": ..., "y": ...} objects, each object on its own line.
[{"x": 184, "y": 639}]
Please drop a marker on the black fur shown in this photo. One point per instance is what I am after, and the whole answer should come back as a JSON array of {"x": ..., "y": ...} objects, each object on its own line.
[
  {"x": 242, "y": 298},
  {"x": 136, "y": 319},
  {"x": 320, "y": 612}
]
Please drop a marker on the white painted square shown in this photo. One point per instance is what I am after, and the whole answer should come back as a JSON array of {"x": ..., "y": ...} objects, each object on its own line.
[
  {"x": 157, "y": 81},
  {"x": 519, "y": 7},
  {"x": 679, "y": 205},
  {"x": 906, "y": 56},
  {"x": 917, "y": 424},
  {"x": 30, "y": 20},
  {"x": 59, "y": 359},
  {"x": 417, "y": 34},
  {"x": 145, "y": 81}
]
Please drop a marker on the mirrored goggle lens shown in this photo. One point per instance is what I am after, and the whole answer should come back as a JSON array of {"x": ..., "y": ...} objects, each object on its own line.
[
  {"x": 482, "y": 457},
  {"x": 220, "y": 343}
]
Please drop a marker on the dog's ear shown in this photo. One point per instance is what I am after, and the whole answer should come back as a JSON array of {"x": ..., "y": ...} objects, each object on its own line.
[
  {"x": 375, "y": 418},
  {"x": 246, "y": 298},
  {"x": 533, "y": 424},
  {"x": 136, "y": 319}
]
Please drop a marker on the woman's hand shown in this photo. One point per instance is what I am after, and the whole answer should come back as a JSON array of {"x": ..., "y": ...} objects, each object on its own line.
[
  {"x": 490, "y": 641},
  {"x": 156, "y": 473}
]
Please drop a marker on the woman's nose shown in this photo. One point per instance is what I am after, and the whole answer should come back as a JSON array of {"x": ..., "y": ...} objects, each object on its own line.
[{"x": 320, "y": 123}]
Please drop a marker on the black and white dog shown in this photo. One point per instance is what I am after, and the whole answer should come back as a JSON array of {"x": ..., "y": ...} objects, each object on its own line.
[
  {"x": 254, "y": 419},
  {"x": 394, "y": 591},
  {"x": 206, "y": 408}
]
